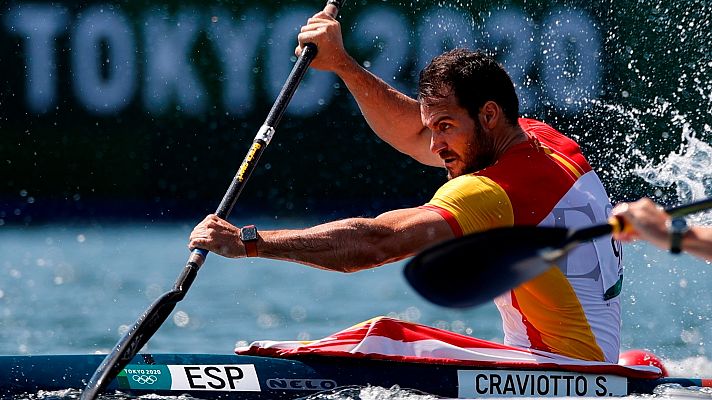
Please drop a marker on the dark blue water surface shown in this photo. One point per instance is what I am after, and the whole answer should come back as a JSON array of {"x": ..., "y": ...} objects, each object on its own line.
[{"x": 74, "y": 289}]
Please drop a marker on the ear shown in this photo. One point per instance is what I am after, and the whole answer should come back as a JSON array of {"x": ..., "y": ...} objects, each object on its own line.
[{"x": 490, "y": 114}]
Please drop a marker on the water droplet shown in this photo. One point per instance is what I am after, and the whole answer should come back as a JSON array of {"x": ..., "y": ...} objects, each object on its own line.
[
  {"x": 298, "y": 313},
  {"x": 122, "y": 329},
  {"x": 181, "y": 319}
]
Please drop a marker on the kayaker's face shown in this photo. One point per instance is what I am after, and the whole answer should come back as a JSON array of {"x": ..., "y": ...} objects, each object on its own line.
[{"x": 456, "y": 138}]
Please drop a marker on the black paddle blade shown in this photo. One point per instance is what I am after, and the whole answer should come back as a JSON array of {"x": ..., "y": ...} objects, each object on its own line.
[
  {"x": 473, "y": 269},
  {"x": 132, "y": 341}
]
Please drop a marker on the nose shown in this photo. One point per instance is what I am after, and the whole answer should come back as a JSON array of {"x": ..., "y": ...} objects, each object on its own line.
[{"x": 436, "y": 143}]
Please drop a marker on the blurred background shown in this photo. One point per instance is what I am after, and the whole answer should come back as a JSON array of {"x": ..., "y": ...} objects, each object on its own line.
[{"x": 145, "y": 109}]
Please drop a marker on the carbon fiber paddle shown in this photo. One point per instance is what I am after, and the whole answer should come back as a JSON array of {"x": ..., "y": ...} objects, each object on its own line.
[
  {"x": 149, "y": 322},
  {"x": 473, "y": 269}
]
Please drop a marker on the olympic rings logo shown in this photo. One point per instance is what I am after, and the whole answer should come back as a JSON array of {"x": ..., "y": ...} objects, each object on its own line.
[{"x": 144, "y": 379}]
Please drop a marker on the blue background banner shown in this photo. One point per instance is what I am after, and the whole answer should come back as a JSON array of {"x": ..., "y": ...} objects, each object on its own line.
[{"x": 146, "y": 109}]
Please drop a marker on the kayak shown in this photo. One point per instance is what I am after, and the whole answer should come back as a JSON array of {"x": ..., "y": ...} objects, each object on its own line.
[
  {"x": 381, "y": 352},
  {"x": 208, "y": 376}
]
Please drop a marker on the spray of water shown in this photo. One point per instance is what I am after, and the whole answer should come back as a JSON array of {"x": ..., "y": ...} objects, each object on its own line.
[
  {"x": 679, "y": 176},
  {"x": 688, "y": 170}
]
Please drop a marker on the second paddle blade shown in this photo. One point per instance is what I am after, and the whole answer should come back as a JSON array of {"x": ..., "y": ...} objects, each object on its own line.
[{"x": 473, "y": 269}]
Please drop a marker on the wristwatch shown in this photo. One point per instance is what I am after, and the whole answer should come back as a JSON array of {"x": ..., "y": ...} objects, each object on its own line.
[
  {"x": 677, "y": 228},
  {"x": 248, "y": 236}
]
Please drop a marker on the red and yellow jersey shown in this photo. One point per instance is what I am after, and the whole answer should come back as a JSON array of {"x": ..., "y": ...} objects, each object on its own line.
[{"x": 573, "y": 310}]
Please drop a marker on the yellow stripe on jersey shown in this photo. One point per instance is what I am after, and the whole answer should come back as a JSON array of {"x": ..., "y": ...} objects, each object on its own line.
[
  {"x": 566, "y": 163},
  {"x": 550, "y": 305},
  {"x": 476, "y": 202}
]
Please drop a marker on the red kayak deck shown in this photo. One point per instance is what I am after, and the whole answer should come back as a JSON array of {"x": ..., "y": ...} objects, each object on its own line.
[{"x": 384, "y": 338}]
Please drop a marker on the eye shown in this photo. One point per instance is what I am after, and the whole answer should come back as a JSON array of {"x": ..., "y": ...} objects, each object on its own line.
[{"x": 444, "y": 126}]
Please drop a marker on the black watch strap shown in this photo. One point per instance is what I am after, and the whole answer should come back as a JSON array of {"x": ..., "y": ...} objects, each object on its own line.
[{"x": 678, "y": 227}]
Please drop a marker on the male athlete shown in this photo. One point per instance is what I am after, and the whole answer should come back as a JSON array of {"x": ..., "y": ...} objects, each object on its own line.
[{"x": 502, "y": 170}]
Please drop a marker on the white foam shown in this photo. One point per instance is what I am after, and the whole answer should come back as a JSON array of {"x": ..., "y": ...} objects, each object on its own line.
[{"x": 691, "y": 367}]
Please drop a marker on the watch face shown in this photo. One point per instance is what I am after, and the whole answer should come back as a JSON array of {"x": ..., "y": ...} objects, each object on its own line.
[
  {"x": 678, "y": 224},
  {"x": 248, "y": 233}
]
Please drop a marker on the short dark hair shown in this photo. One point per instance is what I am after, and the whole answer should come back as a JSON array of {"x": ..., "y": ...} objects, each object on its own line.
[{"x": 474, "y": 78}]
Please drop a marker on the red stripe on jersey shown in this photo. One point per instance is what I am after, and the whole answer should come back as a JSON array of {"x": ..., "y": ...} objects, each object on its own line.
[
  {"x": 449, "y": 218},
  {"x": 560, "y": 144},
  {"x": 532, "y": 333},
  {"x": 528, "y": 170}
]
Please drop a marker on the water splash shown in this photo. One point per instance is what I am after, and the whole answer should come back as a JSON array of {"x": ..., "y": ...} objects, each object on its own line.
[
  {"x": 700, "y": 367},
  {"x": 371, "y": 393},
  {"x": 676, "y": 162},
  {"x": 688, "y": 170}
]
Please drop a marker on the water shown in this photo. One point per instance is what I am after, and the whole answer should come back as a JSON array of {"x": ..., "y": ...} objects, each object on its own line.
[{"x": 74, "y": 289}]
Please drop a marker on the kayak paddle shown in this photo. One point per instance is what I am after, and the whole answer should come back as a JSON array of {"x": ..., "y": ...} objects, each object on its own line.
[
  {"x": 149, "y": 322},
  {"x": 473, "y": 269}
]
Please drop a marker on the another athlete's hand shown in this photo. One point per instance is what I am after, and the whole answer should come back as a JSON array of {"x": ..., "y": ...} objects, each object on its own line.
[{"x": 645, "y": 220}]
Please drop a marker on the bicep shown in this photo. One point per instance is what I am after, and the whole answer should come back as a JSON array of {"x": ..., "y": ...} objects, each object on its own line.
[{"x": 411, "y": 230}]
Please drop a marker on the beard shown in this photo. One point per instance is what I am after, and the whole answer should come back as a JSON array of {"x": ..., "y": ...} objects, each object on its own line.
[{"x": 478, "y": 155}]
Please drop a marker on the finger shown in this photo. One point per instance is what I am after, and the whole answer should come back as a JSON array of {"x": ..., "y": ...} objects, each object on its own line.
[
  {"x": 196, "y": 233},
  {"x": 320, "y": 16},
  {"x": 206, "y": 221},
  {"x": 198, "y": 243},
  {"x": 192, "y": 245},
  {"x": 308, "y": 36},
  {"x": 631, "y": 236},
  {"x": 646, "y": 201},
  {"x": 313, "y": 26},
  {"x": 625, "y": 236},
  {"x": 216, "y": 224},
  {"x": 620, "y": 208}
]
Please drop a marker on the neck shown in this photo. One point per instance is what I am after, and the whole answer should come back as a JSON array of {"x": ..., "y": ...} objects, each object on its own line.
[{"x": 510, "y": 136}]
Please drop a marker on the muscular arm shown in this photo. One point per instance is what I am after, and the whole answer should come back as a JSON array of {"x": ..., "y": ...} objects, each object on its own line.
[
  {"x": 392, "y": 115},
  {"x": 347, "y": 245}
]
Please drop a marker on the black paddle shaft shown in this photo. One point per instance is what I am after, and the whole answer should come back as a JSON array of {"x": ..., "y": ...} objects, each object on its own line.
[
  {"x": 149, "y": 322},
  {"x": 581, "y": 235}
]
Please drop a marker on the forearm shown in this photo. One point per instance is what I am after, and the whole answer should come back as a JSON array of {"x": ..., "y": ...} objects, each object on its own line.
[
  {"x": 348, "y": 245},
  {"x": 392, "y": 115},
  {"x": 698, "y": 241}
]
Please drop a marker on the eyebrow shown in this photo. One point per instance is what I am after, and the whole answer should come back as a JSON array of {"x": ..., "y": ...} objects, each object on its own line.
[{"x": 439, "y": 120}]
